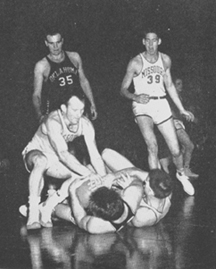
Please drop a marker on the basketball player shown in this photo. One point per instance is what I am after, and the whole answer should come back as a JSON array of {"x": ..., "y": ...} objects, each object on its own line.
[
  {"x": 56, "y": 73},
  {"x": 183, "y": 137},
  {"x": 150, "y": 71},
  {"x": 47, "y": 153},
  {"x": 128, "y": 196}
]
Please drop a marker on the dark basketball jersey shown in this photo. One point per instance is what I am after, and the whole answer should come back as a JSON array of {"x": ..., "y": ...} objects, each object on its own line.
[
  {"x": 63, "y": 77},
  {"x": 130, "y": 216}
]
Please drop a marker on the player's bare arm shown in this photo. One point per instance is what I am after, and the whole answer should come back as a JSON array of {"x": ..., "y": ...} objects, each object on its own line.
[
  {"x": 76, "y": 59},
  {"x": 40, "y": 73},
  {"x": 134, "y": 172},
  {"x": 59, "y": 145},
  {"x": 133, "y": 69},
  {"x": 91, "y": 224},
  {"x": 133, "y": 194},
  {"x": 95, "y": 157},
  {"x": 172, "y": 90}
]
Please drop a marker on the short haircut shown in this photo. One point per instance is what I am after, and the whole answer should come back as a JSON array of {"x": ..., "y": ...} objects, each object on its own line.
[
  {"x": 161, "y": 183},
  {"x": 68, "y": 94},
  {"x": 52, "y": 31},
  {"x": 106, "y": 204},
  {"x": 152, "y": 29}
]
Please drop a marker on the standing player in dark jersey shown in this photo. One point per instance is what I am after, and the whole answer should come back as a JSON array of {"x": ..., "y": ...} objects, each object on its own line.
[{"x": 56, "y": 73}]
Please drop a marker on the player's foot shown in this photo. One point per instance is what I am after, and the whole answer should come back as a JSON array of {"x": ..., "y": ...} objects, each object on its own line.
[
  {"x": 189, "y": 173},
  {"x": 187, "y": 186},
  {"x": 33, "y": 219},
  {"x": 45, "y": 216},
  {"x": 45, "y": 220},
  {"x": 33, "y": 226},
  {"x": 23, "y": 209}
]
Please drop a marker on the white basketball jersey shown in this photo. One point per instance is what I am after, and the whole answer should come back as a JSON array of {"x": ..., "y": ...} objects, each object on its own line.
[{"x": 150, "y": 80}]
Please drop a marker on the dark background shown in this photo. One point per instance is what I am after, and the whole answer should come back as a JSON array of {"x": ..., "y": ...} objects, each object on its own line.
[{"x": 106, "y": 33}]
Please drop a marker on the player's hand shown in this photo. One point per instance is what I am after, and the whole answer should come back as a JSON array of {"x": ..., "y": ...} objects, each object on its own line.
[
  {"x": 189, "y": 116},
  {"x": 142, "y": 98},
  {"x": 95, "y": 181},
  {"x": 93, "y": 112},
  {"x": 108, "y": 180},
  {"x": 124, "y": 181}
]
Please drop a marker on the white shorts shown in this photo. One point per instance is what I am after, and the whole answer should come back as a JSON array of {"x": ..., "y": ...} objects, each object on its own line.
[
  {"x": 159, "y": 110},
  {"x": 52, "y": 158}
]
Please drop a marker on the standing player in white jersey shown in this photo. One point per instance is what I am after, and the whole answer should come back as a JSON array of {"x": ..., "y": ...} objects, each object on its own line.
[{"x": 150, "y": 71}]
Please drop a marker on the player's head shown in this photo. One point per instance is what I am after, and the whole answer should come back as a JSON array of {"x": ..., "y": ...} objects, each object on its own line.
[
  {"x": 151, "y": 40},
  {"x": 54, "y": 40},
  {"x": 178, "y": 84},
  {"x": 151, "y": 29},
  {"x": 106, "y": 204},
  {"x": 73, "y": 106},
  {"x": 160, "y": 183}
]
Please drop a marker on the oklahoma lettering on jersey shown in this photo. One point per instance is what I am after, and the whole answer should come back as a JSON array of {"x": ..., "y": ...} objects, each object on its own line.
[
  {"x": 64, "y": 70},
  {"x": 63, "y": 78},
  {"x": 150, "y": 80}
]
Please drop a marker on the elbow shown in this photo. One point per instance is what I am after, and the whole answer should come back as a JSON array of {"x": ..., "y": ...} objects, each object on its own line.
[{"x": 62, "y": 157}]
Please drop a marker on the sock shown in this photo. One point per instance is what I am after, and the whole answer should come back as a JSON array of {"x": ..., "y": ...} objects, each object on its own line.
[
  {"x": 53, "y": 200},
  {"x": 34, "y": 200}
]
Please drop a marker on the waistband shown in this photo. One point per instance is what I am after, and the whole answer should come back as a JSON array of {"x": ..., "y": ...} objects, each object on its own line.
[{"x": 157, "y": 97}]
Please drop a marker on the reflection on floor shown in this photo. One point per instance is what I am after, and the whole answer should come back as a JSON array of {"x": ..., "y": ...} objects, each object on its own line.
[{"x": 184, "y": 239}]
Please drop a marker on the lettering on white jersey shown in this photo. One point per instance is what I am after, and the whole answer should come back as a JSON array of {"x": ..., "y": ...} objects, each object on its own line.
[{"x": 152, "y": 70}]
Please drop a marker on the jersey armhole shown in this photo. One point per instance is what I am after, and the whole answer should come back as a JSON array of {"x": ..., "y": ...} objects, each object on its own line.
[
  {"x": 143, "y": 59},
  {"x": 162, "y": 60}
]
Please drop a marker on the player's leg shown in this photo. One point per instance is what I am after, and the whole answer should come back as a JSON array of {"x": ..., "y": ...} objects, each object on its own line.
[
  {"x": 57, "y": 170},
  {"x": 144, "y": 217},
  {"x": 63, "y": 211},
  {"x": 168, "y": 131},
  {"x": 146, "y": 127},
  {"x": 163, "y": 151},
  {"x": 188, "y": 148},
  {"x": 36, "y": 162},
  {"x": 115, "y": 161}
]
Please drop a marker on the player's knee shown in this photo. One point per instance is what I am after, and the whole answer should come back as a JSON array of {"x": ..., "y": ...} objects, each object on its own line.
[
  {"x": 70, "y": 189},
  {"x": 40, "y": 161},
  {"x": 176, "y": 153},
  {"x": 190, "y": 146},
  {"x": 106, "y": 153}
]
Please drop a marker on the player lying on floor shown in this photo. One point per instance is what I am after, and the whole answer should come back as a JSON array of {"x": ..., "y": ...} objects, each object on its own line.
[{"x": 128, "y": 196}]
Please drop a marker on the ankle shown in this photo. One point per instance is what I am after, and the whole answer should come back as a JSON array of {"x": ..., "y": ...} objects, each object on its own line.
[{"x": 180, "y": 171}]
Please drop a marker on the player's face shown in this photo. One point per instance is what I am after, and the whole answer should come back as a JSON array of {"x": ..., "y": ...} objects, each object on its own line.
[
  {"x": 179, "y": 85},
  {"x": 151, "y": 42},
  {"x": 54, "y": 43},
  {"x": 74, "y": 111}
]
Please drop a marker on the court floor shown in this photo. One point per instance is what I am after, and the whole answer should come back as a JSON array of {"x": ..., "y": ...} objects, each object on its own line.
[{"x": 185, "y": 238}]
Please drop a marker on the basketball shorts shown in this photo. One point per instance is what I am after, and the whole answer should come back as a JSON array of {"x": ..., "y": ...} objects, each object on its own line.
[
  {"x": 159, "y": 110},
  {"x": 52, "y": 158}
]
